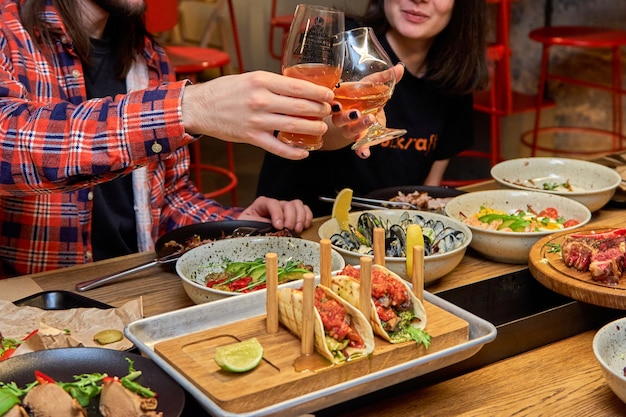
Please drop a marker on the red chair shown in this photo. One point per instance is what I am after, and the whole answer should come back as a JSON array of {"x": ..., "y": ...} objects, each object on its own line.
[
  {"x": 189, "y": 62},
  {"x": 580, "y": 37},
  {"x": 278, "y": 23}
]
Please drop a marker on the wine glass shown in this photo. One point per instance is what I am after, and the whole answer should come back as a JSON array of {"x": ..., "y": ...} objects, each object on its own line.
[
  {"x": 367, "y": 81},
  {"x": 309, "y": 55}
]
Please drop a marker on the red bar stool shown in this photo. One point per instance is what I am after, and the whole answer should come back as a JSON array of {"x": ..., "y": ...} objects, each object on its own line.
[
  {"x": 190, "y": 61},
  {"x": 579, "y": 37}
]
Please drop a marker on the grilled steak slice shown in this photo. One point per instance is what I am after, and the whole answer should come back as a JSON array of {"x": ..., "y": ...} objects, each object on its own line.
[
  {"x": 600, "y": 253},
  {"x": 607, "y": 267}
]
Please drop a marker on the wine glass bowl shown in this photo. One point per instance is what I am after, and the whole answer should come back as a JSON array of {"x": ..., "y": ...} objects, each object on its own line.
[
  {"x": 311, "y": 55},
  {"x": 367, "y": 81}
]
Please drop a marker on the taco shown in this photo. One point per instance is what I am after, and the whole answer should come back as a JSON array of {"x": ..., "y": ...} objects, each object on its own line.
[
  {"x": 342, "y": 333},
  {"x": 397, "y": 315}
]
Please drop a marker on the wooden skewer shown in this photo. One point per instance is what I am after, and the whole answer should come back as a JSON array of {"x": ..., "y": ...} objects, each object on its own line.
[
  {"x": 379, "y": 246},
  {"x": 365, "y": 286},
  {"x": 271, "y": 303},
  {"x": 417, "y": 275},
  {"x": 308, "y": 322},
  {"x": 325, "y": 262}
]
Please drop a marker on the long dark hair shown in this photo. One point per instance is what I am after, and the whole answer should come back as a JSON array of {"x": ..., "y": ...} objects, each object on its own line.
[
  {"x": 457, "y": 59},
  {"x": 127, "y": 43}
]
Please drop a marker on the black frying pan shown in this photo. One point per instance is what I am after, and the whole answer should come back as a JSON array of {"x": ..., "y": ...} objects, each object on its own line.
[
  {"x": 63, "y": 363},
  {"x": 166, "y": 253}
]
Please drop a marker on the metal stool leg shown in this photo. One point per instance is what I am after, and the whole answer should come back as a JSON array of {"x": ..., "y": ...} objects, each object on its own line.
[
  {"x": 541, "y": 91},
  {"x": 617, "y": 98},
  {"x": 198, "y": 167}
]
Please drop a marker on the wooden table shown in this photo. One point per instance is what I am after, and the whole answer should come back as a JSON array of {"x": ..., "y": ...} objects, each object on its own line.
[{"x": 561, "y": 378}]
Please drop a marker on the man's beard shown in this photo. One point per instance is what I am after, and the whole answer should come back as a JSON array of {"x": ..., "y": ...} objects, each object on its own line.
[{"x": 122, "y": 8}]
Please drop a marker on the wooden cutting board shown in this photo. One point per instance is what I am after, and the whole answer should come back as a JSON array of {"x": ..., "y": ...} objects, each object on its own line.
[
  {"x": 549, "y": 269},
  {"x": 276, "y": 379}
]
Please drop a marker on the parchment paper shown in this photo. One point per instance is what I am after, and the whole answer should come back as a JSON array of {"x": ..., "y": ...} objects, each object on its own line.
[{"x": 65, "y": 328}]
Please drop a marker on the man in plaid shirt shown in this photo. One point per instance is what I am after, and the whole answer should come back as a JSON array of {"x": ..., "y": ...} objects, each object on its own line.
[{"x": 94, "y": 130}]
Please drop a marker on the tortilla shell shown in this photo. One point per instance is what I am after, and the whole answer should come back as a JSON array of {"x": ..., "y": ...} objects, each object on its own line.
[
  {"x": 348, "y": 288},
  {"x": 290, "y": 313}
]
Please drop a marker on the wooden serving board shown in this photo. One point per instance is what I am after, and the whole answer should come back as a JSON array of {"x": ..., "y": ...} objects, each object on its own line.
[
  {"x": 549, "y": 269},
  {"x": 276, "y": 379}
]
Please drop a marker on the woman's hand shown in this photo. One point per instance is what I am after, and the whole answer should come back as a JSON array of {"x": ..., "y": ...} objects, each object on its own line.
[
  {"x": 250, "y": 107},
  {"x": 347, "y": 126},
  {"x": 293, "y": 214}
]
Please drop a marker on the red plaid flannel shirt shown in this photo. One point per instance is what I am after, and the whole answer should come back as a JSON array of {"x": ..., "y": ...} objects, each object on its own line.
[{"x": 55, "y": 145}]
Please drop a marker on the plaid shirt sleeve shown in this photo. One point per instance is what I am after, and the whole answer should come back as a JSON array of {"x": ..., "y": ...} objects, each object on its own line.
[
  {"x": 55, "y": 144},
  {"x": 54, "y": 139}
]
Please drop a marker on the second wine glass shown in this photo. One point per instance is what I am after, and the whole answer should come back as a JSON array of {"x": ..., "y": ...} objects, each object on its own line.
[
  {"x": 367, "y": 81},
  {"x": 309, "y": 55}
]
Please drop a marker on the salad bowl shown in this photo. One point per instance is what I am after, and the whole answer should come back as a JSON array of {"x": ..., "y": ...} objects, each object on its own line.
[
  {"x": 504, "y": 245},
  {"x": 214, "y": 257}
]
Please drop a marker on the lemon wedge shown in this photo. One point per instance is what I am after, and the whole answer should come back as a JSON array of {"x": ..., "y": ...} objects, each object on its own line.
[
  {"x": 239, "y": 357},
  {"x": 414, "y": 237},
  {"x": 341, "y": 208}
]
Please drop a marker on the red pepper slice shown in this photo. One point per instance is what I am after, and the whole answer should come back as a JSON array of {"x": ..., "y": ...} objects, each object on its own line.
[
  {"x": 31, "y": 334},
  {"x": 43, "y": 378},
  {"x": 7, "y": 354}
]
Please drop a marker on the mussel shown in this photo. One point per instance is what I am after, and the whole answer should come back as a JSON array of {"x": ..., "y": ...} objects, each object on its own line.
[{"x": 438, "y": 238}]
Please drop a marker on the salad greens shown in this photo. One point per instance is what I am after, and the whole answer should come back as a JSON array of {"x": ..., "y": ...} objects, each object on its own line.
[
  {"x": 251, "y": 275},
  {"x": 83, "y": 388}
]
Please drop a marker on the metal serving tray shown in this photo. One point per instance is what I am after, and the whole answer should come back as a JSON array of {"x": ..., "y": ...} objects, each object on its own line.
[{"x": 146, "y": 333}]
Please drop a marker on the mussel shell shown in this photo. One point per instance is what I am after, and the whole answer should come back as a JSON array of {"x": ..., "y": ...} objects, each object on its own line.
[
  {"x": 438, "y": 238},
  {"x": 366, "y": 224},
  {"x": 346, "y": 240},
  {"x": 395, "y": 243},
  {"x": 447, "y": 240}
]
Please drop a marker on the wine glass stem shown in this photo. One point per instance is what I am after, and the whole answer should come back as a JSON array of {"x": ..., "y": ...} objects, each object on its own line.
[{"x": 375, "y": 129}]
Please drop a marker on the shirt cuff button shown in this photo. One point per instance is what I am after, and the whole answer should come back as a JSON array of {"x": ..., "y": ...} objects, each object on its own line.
[{"x": 156, "y": 147}]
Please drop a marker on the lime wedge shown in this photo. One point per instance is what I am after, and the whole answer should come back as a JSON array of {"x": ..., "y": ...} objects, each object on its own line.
[
  {"x": 414, "y": 237},
  {"x": 341, "y": 208},
  {"x": 239, "y": 357}
]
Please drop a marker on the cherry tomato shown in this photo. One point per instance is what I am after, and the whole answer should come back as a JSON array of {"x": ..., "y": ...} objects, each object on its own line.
[
  {"x": 240, "y": 284},
  {"x": 550, "y": 212},
  {"x": 570, "y": 223}
]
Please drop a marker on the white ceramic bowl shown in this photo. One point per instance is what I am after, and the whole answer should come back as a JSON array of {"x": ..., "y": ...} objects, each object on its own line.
[
  {"x": 609, "y": 347},
  {"x": 594, "y": 184},
  {"x": 191, "y": 267},
  {"x": 511, "y": 247},
  {"x": 435, "y": 266}
]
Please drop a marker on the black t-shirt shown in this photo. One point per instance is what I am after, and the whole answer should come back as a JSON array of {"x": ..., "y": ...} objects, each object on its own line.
[
  {"x": 114, "y": 231},
  {"x": 438, "y": 127}
]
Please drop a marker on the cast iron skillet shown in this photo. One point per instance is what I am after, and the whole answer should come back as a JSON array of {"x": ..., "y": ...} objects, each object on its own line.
[
  {"x": 168, "y": 253},
  {"x": 63, "y": 363}
]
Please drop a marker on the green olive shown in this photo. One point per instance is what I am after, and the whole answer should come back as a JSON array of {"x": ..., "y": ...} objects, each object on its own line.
[{"x": 104, "y": 337}]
